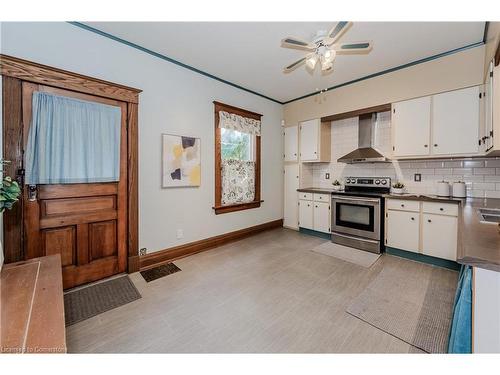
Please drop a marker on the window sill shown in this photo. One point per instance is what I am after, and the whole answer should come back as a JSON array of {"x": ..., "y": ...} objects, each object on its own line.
[{"x": 236, "y": 207}]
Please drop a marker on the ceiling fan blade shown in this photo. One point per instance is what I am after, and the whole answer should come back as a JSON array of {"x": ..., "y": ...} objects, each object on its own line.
[
  {"x": 353, "y": 47},
  {"x": 337, "y": 31},
  {"x": 291, "y": 42},
  {"x": 295, "y": 65}
]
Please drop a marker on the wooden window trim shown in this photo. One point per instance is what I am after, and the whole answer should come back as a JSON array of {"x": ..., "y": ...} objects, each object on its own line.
[{"x": 218, "y": 207}]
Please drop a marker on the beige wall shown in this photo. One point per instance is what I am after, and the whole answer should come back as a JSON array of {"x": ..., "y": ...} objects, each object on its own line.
[
  {"x": 492, "y": 40},
  {"x": 462, "y": 69}
]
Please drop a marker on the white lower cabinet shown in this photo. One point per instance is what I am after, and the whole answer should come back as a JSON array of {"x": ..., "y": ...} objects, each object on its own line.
[
  {"x": 314, "y": 214},
  {"x": 306, "y": 214},
  {"x": 429, "y": 228},
  {"x": 321, "y": 217},
  {"x": 439, "y": 236},
  {"x": 403, "y": 229}
]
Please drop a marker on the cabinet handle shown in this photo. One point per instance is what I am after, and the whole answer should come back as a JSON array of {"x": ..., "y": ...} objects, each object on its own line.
[
  {"x": 315, "y": 152},
  {"x": 402, "y": 205},
  {"x": 308, "y": 206},
  {"x": 426, "y": 146},
  {"x": 413, "y": 218},
  {"x": 429, "y": 221},
  {"x": 435, "y": 145},
  {"x": 316, "y": 206},
  {"x": 441, "y": 209}
]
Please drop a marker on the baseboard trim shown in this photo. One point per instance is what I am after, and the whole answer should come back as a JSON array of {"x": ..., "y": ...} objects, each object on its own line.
[
  {"x": 133, "y": 264},
  {"x": 310, "y": 232},
  {"x": 444, "y": 263},
  {"x": 163, "y": 256}
]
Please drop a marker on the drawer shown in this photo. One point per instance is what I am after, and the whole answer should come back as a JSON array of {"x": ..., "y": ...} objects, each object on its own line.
[
  {"x": 306, "y": 196},
  {"x": 439, "y": 208},
  {"x": 403, "y": 205},
  {"x": 321, "y": 197}
]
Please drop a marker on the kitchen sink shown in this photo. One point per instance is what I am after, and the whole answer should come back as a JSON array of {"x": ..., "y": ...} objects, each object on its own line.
[{"x": 489, "y": 215}]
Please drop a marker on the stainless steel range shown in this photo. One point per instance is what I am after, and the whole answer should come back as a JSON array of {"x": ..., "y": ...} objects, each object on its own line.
[{"x": 357, "y": 213}]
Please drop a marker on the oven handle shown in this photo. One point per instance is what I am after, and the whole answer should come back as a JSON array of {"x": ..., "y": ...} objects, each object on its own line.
[
  {"x": 375, "y": 200},
  {"x": 355, "y": 238}
]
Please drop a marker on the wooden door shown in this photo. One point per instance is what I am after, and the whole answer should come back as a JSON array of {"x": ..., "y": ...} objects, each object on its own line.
[
  {"x": 455, "y": 122},
  {"x": 309, "y": 140},
  {"x": 411, "y": 121},
  {"x": 290, "y": 143},
  {"x": 85, "y": 223},
  {"x": 290, "y": 209}
]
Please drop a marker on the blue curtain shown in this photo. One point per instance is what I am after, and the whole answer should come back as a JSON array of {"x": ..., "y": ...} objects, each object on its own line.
[
  {"x": 72, "y": 141},
  {"x": 460, "y": 340}
]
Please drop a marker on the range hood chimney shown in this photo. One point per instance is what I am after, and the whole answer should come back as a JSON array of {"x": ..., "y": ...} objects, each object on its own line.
[{"x": 365, "y": 153}]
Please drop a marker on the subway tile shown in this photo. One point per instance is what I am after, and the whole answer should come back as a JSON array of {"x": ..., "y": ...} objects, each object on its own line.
[
  {"x": 434, "y": 164},
  {"x": 475, "y": 193},
  {"x": 483, "y": 186},
  {"x": 492, "y": 163},
  {"x": 453, "y": 164},
  {"x": 495, "y": 178},
  {"x": 484, "y": 171},
  {"x": 498, "y": 186},
  {"x": 473, "y": 163},
  {"x": 443, "y": 171},
  {"x": 463, "y": 171},
  {"x": 492, "y": 194}
]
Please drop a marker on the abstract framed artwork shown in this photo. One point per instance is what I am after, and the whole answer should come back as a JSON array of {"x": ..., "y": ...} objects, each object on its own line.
[{"x": 181, "y": 161}]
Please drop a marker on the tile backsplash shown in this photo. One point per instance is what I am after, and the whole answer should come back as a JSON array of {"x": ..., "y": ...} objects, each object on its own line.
[{"x": 481, "y": 175}]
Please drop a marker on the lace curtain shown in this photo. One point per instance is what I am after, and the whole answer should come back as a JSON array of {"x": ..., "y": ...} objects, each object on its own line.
[
  {"x": 242, "y": 124},
  {"x": 238, "y": 176},
  {"x": 238, "y": 181}
]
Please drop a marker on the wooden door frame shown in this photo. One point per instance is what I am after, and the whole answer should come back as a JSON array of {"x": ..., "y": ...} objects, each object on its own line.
[{"x": 14, "y": 71}]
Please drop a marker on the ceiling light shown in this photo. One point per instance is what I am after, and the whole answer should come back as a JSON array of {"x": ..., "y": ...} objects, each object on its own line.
[
  {"x": 311, "y": 61},
  {"x": 330, "y": 55},
  {"x": 326, "y": 65}
]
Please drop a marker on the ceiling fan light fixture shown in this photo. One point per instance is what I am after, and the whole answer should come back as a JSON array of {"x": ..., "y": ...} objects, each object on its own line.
[
  {"x": 329, "y": 55},
  {"x": 326, "y": 65},
  {"x": 311, "y": 61}
]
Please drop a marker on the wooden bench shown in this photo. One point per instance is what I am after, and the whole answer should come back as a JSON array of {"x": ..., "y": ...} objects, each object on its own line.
[{"x": 32, "y": 307}]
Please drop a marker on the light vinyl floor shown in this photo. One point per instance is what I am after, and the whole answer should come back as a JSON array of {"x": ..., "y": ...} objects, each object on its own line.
[{"x": 265, "y": 294}]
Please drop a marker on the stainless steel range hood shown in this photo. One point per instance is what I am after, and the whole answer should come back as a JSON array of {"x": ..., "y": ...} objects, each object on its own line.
[{"x": 365, "y": 153}]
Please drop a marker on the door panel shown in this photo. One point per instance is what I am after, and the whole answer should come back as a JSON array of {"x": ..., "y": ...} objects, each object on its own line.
[
  {"x": 290, "y": 143},
  {"x": 322, "y": 217},
  {"x": 455, "y": 122},
  {"x": 85, "y": 223},
  {"x": 439, "y": 236},
  {"x": 306, "y": 214},
  {"x": 403, "y": 230},
  {"x": 411, "y": 121},
  {"x": 290, "y": 216},
  {"x": 309, "y": 138}
]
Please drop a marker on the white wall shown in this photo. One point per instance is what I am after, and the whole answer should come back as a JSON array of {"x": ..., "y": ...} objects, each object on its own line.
[{"x": 174, "y": 100}]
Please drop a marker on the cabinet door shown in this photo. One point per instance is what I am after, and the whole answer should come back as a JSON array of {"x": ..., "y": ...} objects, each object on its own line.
[
  {"x": 488, "y": 109},
  {"x": 306, "y": 214},
  {"x": 290, "y": 207},
  {"x": 411, "y": 121},
  {"x": 403, "y": 230},
  {"x": 309, "y": 138},
  {"x": 455, "y": 122},
  {"x": 291, "y": 145},
  {"x": 439, "y": 236},
  {"x": 321, "y": 217}
]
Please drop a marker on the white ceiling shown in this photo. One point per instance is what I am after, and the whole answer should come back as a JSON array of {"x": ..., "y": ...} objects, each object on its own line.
[{"x": 249, "y": 53}]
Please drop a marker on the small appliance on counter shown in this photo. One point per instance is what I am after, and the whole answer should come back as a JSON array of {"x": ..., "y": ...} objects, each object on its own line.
[
  {"x": 459, "y": 190},
  {"x": 443, "y": 189}
]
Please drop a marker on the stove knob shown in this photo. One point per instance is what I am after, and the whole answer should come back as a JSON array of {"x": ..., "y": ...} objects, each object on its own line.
[
  {"x": 347, "y": 180},
  {"x": 377, "y": 182},
  {"x": 384, "y": 182}
]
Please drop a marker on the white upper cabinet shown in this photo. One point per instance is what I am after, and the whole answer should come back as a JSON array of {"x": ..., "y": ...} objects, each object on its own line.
[
  {"x": 291, "y": 143},
  {"x": 455, "y": 122},
  {"x": 315, "y": 141},
  {"x": 411, "y": 121}
]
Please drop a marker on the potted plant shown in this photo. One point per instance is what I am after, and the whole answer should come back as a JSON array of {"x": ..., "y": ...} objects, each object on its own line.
[
  {"x": 337, "y": 185},
  {"x": 9, "y": 194},
  {"x": 398, "y": 188}
]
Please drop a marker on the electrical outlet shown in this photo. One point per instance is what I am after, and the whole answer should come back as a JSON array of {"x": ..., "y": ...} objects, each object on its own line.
[
  {"x": 143, "y": 251},
  {"x": 417, "y": 177},
  {"x": 180, "y": 234},
  {"x": 327, "y": 176}
]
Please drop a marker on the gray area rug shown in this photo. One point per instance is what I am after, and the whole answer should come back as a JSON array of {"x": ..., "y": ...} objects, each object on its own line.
[
  {"x": 349, "y": 254},
  {"x": 95, "y": 299},
  {"x": 414, "y": 305}
]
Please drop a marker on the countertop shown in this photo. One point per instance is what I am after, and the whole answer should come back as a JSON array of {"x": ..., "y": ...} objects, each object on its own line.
[{"x": 478, "y": 243}]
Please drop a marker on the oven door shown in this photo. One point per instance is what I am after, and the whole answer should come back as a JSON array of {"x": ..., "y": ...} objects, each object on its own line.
[{"x": 356, "y": 216}]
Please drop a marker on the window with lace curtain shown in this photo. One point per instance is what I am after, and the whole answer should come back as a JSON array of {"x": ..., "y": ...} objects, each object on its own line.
[{"x": 237, "y": 159}]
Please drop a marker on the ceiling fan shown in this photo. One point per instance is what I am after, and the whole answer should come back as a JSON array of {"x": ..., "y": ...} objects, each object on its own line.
[{"x": 324, "y": 48}]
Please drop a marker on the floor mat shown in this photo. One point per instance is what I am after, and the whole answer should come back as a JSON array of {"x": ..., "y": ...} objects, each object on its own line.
[
  {"x": 349, "y": 254},
  {"x": 415, "y": 307},
  {"x": 95, "y": 299},
  {"x": 160, "y": 271}
]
